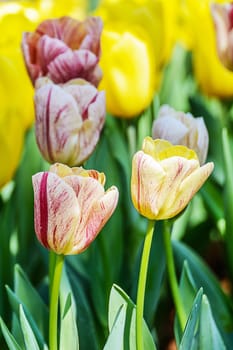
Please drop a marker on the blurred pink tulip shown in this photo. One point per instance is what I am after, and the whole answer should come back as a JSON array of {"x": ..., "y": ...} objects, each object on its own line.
[
  {"x": 71, "y": 207},
  {"x": 64, "y": 49},
  {"x": 223, "y": 20},
  {"x": 181, "y": 128},
  {"x": 69, "y": 119}
]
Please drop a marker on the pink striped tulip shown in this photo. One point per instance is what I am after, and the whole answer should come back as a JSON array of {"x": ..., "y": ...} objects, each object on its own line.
[
  {"x": 165, "y": 178},
  {"x": 69, "y": 119},
  {"x": 63, "y": 49},
  {"x": 71, "y": 207},
  {"x": 222, "y": 15},
  {"x": 181, "y": 128}
]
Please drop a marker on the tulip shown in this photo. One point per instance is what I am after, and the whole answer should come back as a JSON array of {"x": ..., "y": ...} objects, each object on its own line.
[
  {"x": 136, "y": 42},
  {"x": 69, "y": 119},
  {"x": 64, "y": 49},
  {"x": 71, "y": 207},
  {"x": 182, "y": 129},
  {"x": 213, "y": 78},
  {"x": 223, "y": 20},
  {"x": 165, "y": 178}
]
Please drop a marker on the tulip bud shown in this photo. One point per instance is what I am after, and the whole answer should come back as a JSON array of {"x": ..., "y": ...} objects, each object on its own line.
[
  {"x": 182, "y": 129},
  {"x": 64, "y": 49},
  {"x": 165, "y": 178},
  {"x": 69, "y": 119},
  {"x": 222, "y": 15},
  {"x": 71, "y": 207}
]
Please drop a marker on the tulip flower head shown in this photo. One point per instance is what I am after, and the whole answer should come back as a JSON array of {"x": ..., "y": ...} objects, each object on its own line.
[
  {"x": 222, "y": 15},
  {"x": 165, "y": 178},
  {"x": 182, "y": 129},
  {"x": 64, "y": 49},
  {"x": 69, "y": 119},
  {"x": 71, "y": 207}
]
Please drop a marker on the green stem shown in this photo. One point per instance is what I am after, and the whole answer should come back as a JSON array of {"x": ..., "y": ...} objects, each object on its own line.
[
  {"x": 142, "y": 284},
  {"x": 172, "y": 277},
  {"x": 54, "y": 294}
]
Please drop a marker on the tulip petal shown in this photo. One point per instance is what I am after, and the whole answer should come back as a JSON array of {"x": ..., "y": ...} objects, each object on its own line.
[
  {"x": 58, "y": 121},
  {"x": 29, "y": 53},
  {"x": 88, "y": 191},
  {"x": 57, "y": 211},
  {"x": 72, "y": 64},
  {"x": 177, "y": 170},
  {"x": 99, "y": 214},
  {"x": 162, "y": 149},
  {"x": 187, "y": 190},
  {"x": 47, "y": 50},
  {"x": 146, "y": 182},
  {"x": 170, "y": 129}
]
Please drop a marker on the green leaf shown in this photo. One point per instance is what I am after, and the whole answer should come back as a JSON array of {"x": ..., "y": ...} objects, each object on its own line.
[
  {"x": 81, "y": 291},
  {"x": 30, "y": 298},
  {"x": 189, "y": 339},
  {"x": 209, "y": 335},
  {"x": 10, "y": 340},
  {"x": 68, "y": 332},
  {"x": 187, "y": 290},
  {"x": 228, "y": 195},
  {"x": 15, "y": 304},
  {"x": 115, "y": 340},
  {"x": 122, "y": 323},
  {"x": 29, "y": 338},
  {"x": 203, "y": 277}
]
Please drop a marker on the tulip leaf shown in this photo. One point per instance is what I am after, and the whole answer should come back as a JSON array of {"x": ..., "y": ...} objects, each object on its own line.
[
  {"x": 209, "y": 336},
  {"x": 29, "y": 338},
  {"x": 10, "y": 340},
  {"x": 15, "y": 303},
  {"x": 187, "y": 289},
  {"x": 81, "y": 291},
  {"x": 189, "y": 339},
  {"x": 30, "y": 298},
  {"x": 228, "y": 195},
  {"x": 203, "y": 277},
  {"x": 122, "y": 323},
  {"x": 68, "y": 331}
]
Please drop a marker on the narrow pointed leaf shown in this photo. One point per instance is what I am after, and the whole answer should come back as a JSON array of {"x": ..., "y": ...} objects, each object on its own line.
[
  {"x": 10, "y": 340},
  {"x": 189, "y": 339},
  {"x": 29, "y": 338}
]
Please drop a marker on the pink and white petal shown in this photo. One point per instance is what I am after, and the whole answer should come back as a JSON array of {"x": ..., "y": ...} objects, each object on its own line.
[
  {"x": 174, "y": 133},
  {"x": 187, "y": 190},
  {"x": 91, "y": 41},
  {"x": 146, "y": 183},
  {"x": 71, "y": 65},
  {"x": 57, "y": 212},
  {"x": 29, "y": 42},
  {"x": 57, "y": 121},
  {"x": 85, "y": 95},
  {"x": 47, "y": 50},
  {"x": 100, "y": 213}
]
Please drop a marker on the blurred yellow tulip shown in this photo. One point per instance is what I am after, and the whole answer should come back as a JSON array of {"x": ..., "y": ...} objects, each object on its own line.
[
  {"x": 213, "y": 78},
  {"x": 136, "y": 42}
]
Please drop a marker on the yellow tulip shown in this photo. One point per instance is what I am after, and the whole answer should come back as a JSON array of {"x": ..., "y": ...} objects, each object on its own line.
[
  {"x": 135, "y": 45},
  {"x": 213, "y": 78},
  {"x": 165, "y": 178}
]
